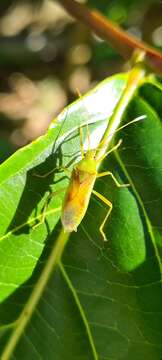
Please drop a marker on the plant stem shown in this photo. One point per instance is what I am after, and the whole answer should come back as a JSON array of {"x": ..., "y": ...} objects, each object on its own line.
[
  {"x": 51, "y": 264},
  {"x": 124, "y": 43},
  {"x": 135, "y": 77}
]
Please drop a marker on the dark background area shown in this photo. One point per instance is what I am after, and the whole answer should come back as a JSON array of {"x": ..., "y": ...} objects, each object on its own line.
[{"x": 45, "y": 55}]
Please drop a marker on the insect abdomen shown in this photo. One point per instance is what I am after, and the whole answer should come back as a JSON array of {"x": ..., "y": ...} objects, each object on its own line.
[{"x": 76, "y": 202}]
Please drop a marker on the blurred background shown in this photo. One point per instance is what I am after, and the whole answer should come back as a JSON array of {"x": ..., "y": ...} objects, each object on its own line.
[{"x": 45, "y": 55}]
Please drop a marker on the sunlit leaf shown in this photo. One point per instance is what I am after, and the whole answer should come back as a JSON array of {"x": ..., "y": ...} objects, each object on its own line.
[{"x": 104, "y": 299}]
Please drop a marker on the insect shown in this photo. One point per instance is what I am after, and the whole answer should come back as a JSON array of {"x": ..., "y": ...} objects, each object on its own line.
[
  {"x": 81, "y": 185},
  {"x": 77, "y": 197}
]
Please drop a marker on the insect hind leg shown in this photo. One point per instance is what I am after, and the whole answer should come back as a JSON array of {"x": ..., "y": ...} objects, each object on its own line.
[
  {"x": 109, "y": 173},
  {"x": 108, "y": 203}
]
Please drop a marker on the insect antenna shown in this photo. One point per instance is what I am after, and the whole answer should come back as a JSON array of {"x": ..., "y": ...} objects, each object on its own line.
[
  {"x": 81, "y": 141},
  {"x": 59, "y": 133},
  {"x": 141, "y": 117},
  {"x": 88, "y": 133}
]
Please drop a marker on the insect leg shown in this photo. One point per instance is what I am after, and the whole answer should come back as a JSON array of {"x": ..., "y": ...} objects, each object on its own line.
[
  {"x": 109, "y": 151},
  {"x": 49, "y": 197},
  {"x": 108, "y": 203},
  {"x": 109, "y": 173}
]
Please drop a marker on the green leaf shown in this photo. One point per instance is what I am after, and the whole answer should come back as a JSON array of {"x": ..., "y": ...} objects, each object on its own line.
[{"x": 104, "y": 299}]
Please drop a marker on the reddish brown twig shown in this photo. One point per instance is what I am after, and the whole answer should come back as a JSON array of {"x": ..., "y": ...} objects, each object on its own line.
[{"x": 124, "y": 43}]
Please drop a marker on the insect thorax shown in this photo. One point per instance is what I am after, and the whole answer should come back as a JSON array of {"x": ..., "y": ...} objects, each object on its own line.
[{"x": 87, "y": 164}]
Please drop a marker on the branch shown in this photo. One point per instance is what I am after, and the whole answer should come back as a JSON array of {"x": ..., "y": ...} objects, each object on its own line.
[{"x": 124, "y": 43}]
